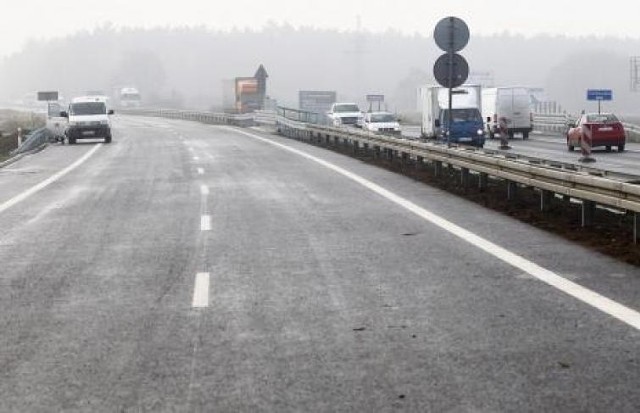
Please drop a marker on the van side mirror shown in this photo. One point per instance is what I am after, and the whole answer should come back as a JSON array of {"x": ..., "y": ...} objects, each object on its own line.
[
  {"x": 110, "y": 112},
  {"x": 64, "y": 114},
  {"x": 437, "y": 123}
]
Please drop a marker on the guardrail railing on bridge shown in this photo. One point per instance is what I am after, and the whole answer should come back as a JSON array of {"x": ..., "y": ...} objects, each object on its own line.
[{"x": 589, "y": 185}]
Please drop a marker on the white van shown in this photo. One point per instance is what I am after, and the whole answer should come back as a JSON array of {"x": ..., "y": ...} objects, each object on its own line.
[
  {"x": 88, "y": 119},
  {"x": 511, "y": 103}
]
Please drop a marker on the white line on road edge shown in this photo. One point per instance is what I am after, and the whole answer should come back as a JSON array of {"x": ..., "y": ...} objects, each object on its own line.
[
  {"x": 195, "y": 158},
  {"x": 200, "y": 171},
  {"x": 26, "y": 194},
  {"x": 204, "y": 190},
  {"x": 201, "y": 291},
  {"x": 602, "y": 303},
  {"x": 205, "y": 223}
]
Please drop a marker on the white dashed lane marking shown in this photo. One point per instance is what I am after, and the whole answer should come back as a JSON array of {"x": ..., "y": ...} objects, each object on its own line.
[
  {"x": 201, "y": 291},
  {"x": 205, "y": 223}
]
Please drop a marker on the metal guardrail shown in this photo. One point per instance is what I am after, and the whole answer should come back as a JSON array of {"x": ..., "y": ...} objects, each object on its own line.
[
  {"x": 33, "y": 141},
  {"x": 551, "y": 123},
  {"x": 591, "y": 186},
  {"x": 242, "y": 120}
]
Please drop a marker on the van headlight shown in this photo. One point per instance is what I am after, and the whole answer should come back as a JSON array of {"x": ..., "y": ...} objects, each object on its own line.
[{"x": 480, "y": 132}]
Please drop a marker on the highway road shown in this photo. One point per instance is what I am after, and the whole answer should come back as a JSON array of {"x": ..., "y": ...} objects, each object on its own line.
[
  {"x": 553, "y": 147},
  {"x": 190, "y": 267}
]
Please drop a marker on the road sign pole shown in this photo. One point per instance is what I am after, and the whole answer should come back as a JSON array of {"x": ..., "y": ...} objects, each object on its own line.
[
  {"x": 451, "y": 70},
  {"x": 450, "y": 52},
  {"x": 599, "y": 101}
]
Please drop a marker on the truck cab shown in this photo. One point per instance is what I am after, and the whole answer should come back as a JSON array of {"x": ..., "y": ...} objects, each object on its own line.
[{"x": 466, "y": 126}]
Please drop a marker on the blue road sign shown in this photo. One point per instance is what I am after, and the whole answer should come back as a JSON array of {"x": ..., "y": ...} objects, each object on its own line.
[{"x": 599, "y": 94}]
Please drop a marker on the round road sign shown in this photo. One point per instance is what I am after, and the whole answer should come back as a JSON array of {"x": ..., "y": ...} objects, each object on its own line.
[
  {"x": 451, "y": 34},
  {"x": 459, "y": 70}
]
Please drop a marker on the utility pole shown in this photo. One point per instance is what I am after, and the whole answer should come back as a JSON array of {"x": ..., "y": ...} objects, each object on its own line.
[{"x": 358, "y": 52}]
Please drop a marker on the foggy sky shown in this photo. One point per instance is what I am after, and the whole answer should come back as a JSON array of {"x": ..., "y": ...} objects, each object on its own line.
[{"x": 44, "y": 19}]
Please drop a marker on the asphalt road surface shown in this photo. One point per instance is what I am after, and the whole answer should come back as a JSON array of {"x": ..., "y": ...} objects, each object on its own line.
[{"x": 197, "y": 268}]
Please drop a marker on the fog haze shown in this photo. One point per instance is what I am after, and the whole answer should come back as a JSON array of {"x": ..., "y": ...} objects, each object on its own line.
[{"x": 180, "y": 54}]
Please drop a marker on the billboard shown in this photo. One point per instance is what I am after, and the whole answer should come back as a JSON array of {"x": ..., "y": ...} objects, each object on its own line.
[
  {"x": 47, "y": 96},
  {"x": 247, "y": 96},
  {"x": 317, "y": 101}
]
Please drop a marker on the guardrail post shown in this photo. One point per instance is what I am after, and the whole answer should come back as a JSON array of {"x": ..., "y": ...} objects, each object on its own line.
[
  {"x": 405, "y": 158},
  {"x": 356, "y": 147},
  {"x": 512, "y": 190},
  {"x": 483, "y": 181},
  {"x": 588, "y": 212},
  {"x": 419, "y": 163},
  {"x": 545, "y": 200},
  {"x": 437, "y": 168},
  {"x": 636, "y": 227},
  {"x": 464, "y": 177}
]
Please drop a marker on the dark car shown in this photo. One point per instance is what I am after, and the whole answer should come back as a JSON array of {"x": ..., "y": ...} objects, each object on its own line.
[{"x": 604, "y": 128}]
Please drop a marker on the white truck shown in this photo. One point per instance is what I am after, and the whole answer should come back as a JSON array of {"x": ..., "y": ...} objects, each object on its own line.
[
  {"x": 512, "y": 103},
  {"x": 345, "y": 114},
  {"x": 129, "y": 97},
  {"x": 466, "y": 118}
]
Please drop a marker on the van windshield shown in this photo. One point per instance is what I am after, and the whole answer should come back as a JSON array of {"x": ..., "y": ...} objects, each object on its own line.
[
  {"x": 383, "y": 117},
  {"x": 463, "y": 115},
  {"x": 88, "y": 108},
  {"x": 347, "y": 108}
]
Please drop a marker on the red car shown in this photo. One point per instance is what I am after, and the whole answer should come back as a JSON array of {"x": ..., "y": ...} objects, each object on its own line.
[{"x": 604, "y": 128}]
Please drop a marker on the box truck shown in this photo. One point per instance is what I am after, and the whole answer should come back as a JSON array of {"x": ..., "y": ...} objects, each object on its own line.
[
  {"x": 511, "y": 103},
  {"x": 466, "y": 120}
]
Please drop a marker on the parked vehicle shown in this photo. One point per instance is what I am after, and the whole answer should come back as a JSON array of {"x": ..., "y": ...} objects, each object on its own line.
[
  {"x": 345, "y": 114},
  {"x": 466, "y": 119},
  {"x": 604, "y": 128},
  {"x": 88, "y": 119},
  {"x": 383, "y": 122},
  {"x": 55, "y": 123},
  {"x": 511, "y": 103}
]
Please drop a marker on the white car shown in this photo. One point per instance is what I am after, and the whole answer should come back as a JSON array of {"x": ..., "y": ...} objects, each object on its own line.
[
  {"x": 344, "y": 114},
  {"x": 382, "y": 122}
]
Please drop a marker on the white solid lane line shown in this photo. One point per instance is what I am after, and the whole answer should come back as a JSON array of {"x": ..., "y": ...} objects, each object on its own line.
[
  {"x": 201, "y": 291},
  {"x": 204, "y": 190},
  {"x": 195, "y": 158},
  {"x": 200, "y": 171},
  {"x": 26, "y": 194},
  {"x": 205, "y": 223},
  {"x": 602, "y": 303}
]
